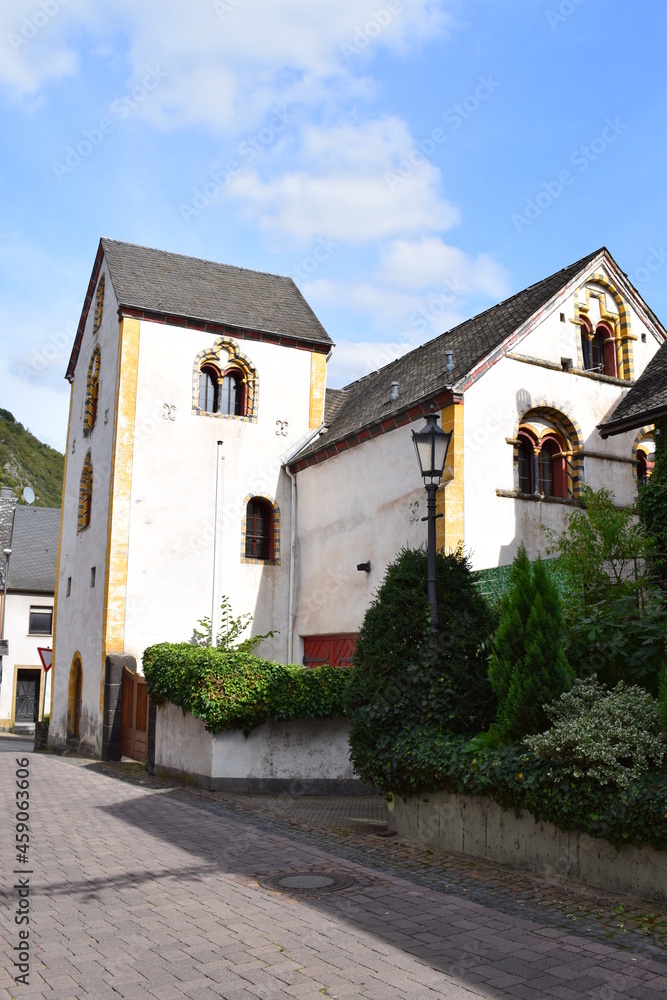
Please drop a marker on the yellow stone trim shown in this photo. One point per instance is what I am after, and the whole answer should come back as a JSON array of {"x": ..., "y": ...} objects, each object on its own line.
[
  {"x": 60, "y": 542},
  {"x": 450, "y": 529},
  {"x": 318, "y": 380},
  {"x": 118, "y": 524}
]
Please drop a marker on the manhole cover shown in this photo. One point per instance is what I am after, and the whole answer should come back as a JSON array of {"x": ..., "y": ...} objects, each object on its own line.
[{"x": 304, "y": 882}]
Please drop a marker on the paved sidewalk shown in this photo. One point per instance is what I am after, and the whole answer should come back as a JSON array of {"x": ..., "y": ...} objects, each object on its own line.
[{"x": 149, "y": 893}]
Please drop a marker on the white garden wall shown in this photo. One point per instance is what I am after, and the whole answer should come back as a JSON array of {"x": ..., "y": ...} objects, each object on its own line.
[
  {"x": 299, "y": 756},
  {"x": 480, "y": 828}
]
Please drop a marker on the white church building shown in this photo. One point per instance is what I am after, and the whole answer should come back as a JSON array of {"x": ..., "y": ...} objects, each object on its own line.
[{"x": 206, "y": 458}]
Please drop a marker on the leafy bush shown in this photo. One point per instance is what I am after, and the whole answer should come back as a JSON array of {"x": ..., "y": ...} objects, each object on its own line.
[
  {"x": 614, "y": 613},
  {"x": 612, "y": 736},
  {"x": 423, "y": 759},
  {"x": 662, "y": 697},
  {"x": 528, "y": 666},
  {"x": 232, "y": 689},
  {"x": 231, "y": 629},
  {"x": 404, "y": 675}
]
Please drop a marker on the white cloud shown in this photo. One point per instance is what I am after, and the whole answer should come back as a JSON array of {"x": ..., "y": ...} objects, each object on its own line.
[
  {"x": 352, "y": 360},
  {"x": 227, "y": 60},
  {"x": 340, "y": 190},
  {"x": 430, "y": 263}
]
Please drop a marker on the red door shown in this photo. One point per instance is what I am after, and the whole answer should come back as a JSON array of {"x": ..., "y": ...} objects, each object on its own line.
[{"x": 334, "y": 650}]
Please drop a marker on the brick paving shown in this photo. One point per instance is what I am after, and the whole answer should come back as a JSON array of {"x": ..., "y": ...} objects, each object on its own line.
[{"x": 149, "y": 892}]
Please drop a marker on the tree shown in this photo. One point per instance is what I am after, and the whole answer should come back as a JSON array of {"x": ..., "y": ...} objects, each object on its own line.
[
  {"x": 528, "y": 666},
  {"x": 614, "y": 614},
  {"x": 652, "y": 505},
  {"x": 404, "y": 679}
]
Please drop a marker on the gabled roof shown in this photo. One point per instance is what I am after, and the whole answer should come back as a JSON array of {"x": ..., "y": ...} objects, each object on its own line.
[
  {"x": 421, "y": 373},
  {"x": 645, "y": 403},
  {"x": 202, "y": 292},
  {"x": 32, "y": 566}
]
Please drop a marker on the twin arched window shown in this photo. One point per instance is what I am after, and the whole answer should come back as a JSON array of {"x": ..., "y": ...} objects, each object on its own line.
[
  {"x": 542, "y": 465},
  {"x": 222, "y": 392},
  {"x": 598, "y": 348}
]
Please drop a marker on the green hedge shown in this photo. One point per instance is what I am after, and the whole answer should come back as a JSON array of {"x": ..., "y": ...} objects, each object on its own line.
[
  {"x": 232, "y": 689},
  {"x": 423, "y": 759}
]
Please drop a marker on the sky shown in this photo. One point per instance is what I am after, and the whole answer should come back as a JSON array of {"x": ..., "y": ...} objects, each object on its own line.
[{"x": 407, "y": 162}]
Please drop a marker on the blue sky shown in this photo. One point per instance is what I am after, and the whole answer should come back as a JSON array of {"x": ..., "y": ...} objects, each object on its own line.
[{"x": 407, "y": 162}]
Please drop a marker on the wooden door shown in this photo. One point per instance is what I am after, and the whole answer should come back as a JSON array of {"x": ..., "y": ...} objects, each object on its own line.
[
  {"x": 134, "y": 717},
  {"x": 27, "y": 696}
]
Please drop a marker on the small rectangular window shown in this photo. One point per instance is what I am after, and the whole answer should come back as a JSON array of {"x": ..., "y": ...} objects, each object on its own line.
[
  {"x": 92, "y": 576},
  {"x": 562, "y": 317},
  {"x": 41, "y": 621},
  {"x": 69, "y": 586}
]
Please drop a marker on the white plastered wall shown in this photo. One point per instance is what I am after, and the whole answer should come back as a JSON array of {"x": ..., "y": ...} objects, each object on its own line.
[
  {"x": 79, "y": 616},
  {"x": 22, "y": 648},
  {"x": 170, "y": 563},
  {"x": 351, "y": 509}
]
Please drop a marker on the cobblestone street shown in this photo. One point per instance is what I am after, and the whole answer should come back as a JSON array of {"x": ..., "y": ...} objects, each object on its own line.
[{"x": 143, "y": 890}]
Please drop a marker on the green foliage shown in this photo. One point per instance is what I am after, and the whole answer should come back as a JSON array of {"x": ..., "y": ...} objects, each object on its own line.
[
  {"x": 232, "y": 689},
  {"x": 403, "y": 675},
  {"x": 614, "y": 615},
  {"x": 662, "y": 697},
  {"x": 612, "y": 736},
  {"x": 230, "y": 631},
  {"x": 528, "y": 666},
  {"x": 423, "y": 759},
  {"x": 652, "y": 504},
  {"x": 25, "y": 461}
]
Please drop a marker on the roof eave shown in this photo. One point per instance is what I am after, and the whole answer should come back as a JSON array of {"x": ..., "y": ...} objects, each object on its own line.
[{"x": 611, "y": 427}]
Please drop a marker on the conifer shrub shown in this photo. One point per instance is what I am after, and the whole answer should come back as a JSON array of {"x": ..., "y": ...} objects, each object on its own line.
[
  {"x": 404, "y": 677},
  {"x": 528, "y": 667}
]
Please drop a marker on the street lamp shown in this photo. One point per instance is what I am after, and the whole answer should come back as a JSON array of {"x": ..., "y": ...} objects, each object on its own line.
[
  {"x": 7, "y": 553},
  {"x": 431, "y": 445}
]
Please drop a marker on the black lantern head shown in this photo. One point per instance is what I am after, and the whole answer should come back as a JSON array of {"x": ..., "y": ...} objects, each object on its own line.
[{"x": 431, "y": 445}]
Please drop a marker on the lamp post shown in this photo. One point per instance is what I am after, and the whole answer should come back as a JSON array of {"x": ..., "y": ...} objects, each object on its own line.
[
  {"x": 431, "y": 445},
  {"x": 6, "y": 553}
]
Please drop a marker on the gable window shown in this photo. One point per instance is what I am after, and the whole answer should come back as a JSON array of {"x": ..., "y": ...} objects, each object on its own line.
[
  {"x": 99, "y": 304},
  {"x": 85, "y": 494},
  {"x": 208, "y": 389},
  {"x": 259, "y": 529},
  {"x": 41, "y": 621},
  {"x": 598, "y": 349},
  {"x": 92, "y": 391}
]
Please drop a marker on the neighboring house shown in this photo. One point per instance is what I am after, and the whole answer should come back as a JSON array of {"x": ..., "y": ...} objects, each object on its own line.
[
  {"x": 645, "y": 404},
  {"x": 25, "y": 686},
  {"x": 201, "y": 461}
]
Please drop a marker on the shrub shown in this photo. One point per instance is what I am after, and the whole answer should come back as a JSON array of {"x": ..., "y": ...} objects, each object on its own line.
[
  {"x": 662, "y": 697},
  {"x": 528, "y": 666},
  {"x": 232, "y": 689},
  {"x": 612, "y": 736},
  {"x": 652, "y": 504},
  {"x": 422, "y": 759},
  {"x": 401, "y": 675},
  {"x": 613, "y": 611}
]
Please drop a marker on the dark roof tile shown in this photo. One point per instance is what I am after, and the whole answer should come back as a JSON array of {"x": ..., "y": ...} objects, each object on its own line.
[
  {"x": 645, "y": 402},
  {"x": 32, "y": 566}
]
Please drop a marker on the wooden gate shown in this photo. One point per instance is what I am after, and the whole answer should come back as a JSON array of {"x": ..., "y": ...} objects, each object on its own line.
[
  {"x": 134, "y": 717},
  {"x": 331, "y": 650}
]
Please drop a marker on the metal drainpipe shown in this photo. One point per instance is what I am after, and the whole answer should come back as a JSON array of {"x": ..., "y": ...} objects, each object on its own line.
[
  {"x": 292, "y": 569},
  {"x": 217, "y": 546}
]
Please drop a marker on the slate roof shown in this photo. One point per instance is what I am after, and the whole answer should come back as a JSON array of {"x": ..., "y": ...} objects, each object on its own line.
[
  {"x": 645, "y": 402},
  {"x": 163, "y": 282},
  {"x": 421, "y": 373},
  {"x": 32, "y": 566}
]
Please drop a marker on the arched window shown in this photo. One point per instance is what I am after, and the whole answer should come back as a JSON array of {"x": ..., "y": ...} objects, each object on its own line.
[
  {"x": 598, "y": 349},
  {"x": 259, "y": 533},
  {"x": 85, "y": 494},
  {"x": 526, "y": 463},
  {"x": 642, "y": 468},
  {"x": 208, "y": 389},
  {"x": 232, "y": 394},
  {"x": 92, "y": 391},
  {"x": 99, "y": 304}
]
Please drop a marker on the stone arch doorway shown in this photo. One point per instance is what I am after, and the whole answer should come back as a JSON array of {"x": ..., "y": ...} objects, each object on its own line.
[{"x": 74, "y": 699}]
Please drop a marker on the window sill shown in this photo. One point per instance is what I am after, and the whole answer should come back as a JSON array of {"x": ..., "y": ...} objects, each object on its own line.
[
  {"x": 260, "y": 562},
  {"x": 538, "y": 498}
]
